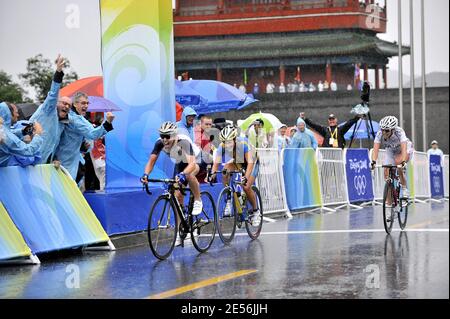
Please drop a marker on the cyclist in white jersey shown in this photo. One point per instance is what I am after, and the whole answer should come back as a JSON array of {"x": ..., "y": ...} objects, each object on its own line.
[{"x": 399, "y": 148}]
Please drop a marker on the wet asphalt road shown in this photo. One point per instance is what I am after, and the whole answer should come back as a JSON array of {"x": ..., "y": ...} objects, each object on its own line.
[{"x": 340, "y": 255}]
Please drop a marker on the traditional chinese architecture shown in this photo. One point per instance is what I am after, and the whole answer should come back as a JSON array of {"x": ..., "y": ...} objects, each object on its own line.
[{"x": 282, "y": 41}]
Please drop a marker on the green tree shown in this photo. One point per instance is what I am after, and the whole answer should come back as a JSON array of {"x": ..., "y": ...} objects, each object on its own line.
[
  {"x": 9, "y": 90},
  {"x": 40, "y": 72}
]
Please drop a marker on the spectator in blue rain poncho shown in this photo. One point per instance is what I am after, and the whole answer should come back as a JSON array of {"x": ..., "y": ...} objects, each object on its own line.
[
  {"x": 78, "y": 131},
  {"x": 12, "y": 146},
  {"x": 52, "y": 114},
  {"x": 186, "y": 124},
  {"x": 304, "y": 138}
]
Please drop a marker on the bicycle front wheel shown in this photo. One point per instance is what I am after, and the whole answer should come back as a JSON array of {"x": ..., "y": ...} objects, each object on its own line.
[
  {"x": 162, "y": 227},
  {"x": 254, "y": 221},
  {"x": 403, "y": 213},
  {"x": 203, "y": 228},
  {"x": 388, "y": 207},
  {"x": 226, "y": 216}
]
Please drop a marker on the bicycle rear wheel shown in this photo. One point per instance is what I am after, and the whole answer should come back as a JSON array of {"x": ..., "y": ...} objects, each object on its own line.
[
  {"x": 253, "y": 222},
  {"x": 388, "y": 212},
  {"x": 403, "y": 213},
  {"x": 226, "y": 216},
  {"x": 203, "y": 228},
  {"x": 162, "y": 227}
]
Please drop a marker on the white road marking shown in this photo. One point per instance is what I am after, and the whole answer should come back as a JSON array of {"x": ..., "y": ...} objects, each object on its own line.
[{"x": 340, "y": 231}]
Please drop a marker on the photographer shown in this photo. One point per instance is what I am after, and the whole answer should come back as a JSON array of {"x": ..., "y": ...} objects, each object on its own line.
[
  {"x": 13, "y": 151},
  {"x": 333, "y": 134}
]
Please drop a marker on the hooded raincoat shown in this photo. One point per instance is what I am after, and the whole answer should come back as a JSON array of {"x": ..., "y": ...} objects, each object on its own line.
[{"x": 11, "y": 145}]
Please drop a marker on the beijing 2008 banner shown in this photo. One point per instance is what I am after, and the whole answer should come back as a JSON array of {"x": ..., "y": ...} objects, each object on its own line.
[
  {"x": 138, "y": 71},
  {"x": 436, "y": 176},
  {"x": 359, "y": 178}
]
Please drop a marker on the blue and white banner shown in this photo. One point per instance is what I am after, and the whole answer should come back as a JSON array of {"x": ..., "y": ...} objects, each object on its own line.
[
  {"x": 359, "y": 177},
  {"x": 436, "y": 177}
]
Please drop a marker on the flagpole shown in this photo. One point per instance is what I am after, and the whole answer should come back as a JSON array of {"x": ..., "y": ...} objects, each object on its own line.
[
  {"x": 412, "y": 75},
  {"x": 400, "y": 62},
  {"x": 424, "y": 82}
]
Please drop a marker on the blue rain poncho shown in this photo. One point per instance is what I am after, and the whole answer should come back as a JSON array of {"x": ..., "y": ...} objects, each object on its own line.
[
  {"x": 304, "y": 139},
  {"x": 183, "y": 128},
  {"x": 78, "y": 130},
  {"x": 11, "y": 146}
]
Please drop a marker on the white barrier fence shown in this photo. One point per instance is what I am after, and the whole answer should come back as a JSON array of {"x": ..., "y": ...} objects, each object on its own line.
[
  {"x": 421, "y": 175},
  {"x": 446, "y": 175},
  {"x": 332, "y": 177},
  {"x": 378, "y": 175},
  {"x": 271, "y": 183}
]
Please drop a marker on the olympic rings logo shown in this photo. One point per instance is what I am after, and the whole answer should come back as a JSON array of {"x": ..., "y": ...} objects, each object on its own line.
[{"x": 360, "y": 184}]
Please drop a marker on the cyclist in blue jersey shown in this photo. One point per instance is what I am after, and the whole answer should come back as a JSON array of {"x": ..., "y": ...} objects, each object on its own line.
[{"x": 235, "y": 153}]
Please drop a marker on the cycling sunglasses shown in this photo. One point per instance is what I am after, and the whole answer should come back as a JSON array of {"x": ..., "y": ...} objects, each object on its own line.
[{"x": 165, "y": 136}]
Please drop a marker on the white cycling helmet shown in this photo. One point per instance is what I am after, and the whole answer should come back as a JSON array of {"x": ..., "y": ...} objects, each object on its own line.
[
  {"x": 168, "y": 128},
  {"x": 228, "y": 133},
  {"x": 388, "y": 123}
]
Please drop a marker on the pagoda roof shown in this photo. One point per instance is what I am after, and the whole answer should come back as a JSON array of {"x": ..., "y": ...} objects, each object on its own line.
[{"x": 279, "y": 46}]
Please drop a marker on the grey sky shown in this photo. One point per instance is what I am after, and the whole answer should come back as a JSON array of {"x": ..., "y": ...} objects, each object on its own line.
[{"x": 29, "y": 27}]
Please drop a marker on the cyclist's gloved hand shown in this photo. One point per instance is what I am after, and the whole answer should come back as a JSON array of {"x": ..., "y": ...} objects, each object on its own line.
[
  {"x": 403, "y": 164},
  {"x": 244, "y": 180},
  {"x": 182, "y": 178},
  {"x": 144, "y": 179},
  {"x": 224, "y": 172},
  {"x": 212, "y": 178},
  {"x": 372, "y": 165}
]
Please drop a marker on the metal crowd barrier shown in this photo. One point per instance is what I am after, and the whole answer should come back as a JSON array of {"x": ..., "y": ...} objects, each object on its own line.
[
  {"x": 270, "y": 182},
  {"x": 421, "y": 176},
  {"x": 446, "y": 175},
  {"x": 378, "y": 176},
  {"x": 332, "y": 177}
]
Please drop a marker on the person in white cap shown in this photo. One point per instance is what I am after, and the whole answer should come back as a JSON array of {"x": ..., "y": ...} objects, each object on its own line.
[{"x": 435, "y": 150}]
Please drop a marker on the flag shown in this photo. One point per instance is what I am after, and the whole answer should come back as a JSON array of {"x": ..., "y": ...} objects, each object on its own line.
[
  {"x": 297, "y": 76},
  {"x": 357, "y": 74},
  {"x": 245, "y": 77}
]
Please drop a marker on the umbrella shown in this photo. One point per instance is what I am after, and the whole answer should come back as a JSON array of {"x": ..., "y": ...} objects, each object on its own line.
[
  {"x": 92, "y": 86},
  {"x": 207, "y": 96},
  {"x": 271, "y": 122},
  {"x": 361, "y": 132},
  {"x": 100, "y": 104},
  {"x": 26, "y": 110}
]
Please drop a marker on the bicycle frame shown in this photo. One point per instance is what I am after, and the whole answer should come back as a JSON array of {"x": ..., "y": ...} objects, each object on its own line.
[
  {"x": 394, "y": 179},
  {"x": 232, "y": 184},
  {"x": 170, "y": 192}
]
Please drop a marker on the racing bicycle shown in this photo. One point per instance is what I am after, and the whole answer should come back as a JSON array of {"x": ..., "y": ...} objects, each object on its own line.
[{"x": 398, "y": 207}]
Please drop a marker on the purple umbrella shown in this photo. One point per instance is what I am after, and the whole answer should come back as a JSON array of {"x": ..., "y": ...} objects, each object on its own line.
[{"x": 100, "y": 104}]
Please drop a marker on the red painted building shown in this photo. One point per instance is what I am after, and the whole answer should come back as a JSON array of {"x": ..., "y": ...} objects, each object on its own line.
[{"x": 281, "y": 41}]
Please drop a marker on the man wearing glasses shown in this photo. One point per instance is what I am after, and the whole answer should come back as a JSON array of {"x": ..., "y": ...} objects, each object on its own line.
[
  {"x": 181, "y": 150},
  {"x": 77, "y": 131},
  {"x": 399, "y": 148}
]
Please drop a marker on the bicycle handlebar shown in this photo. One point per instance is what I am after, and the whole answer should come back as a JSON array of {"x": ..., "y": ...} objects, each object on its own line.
[
  {"x": 169, "y": 181},
  {"x": 392, "y": 166}
]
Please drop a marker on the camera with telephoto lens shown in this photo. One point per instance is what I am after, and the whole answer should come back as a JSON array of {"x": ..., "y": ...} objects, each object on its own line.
[
  {"x": 363, "y": 107},
  {"x": 28, "y": 129}
]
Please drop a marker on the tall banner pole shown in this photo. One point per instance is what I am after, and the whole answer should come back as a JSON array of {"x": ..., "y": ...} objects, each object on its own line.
[
  {"x": 400, "y": 62},
  {"x": 424, "y": 82},
  {"x": 412, "y": 73},
  {"x": 138, "y": 68}
]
